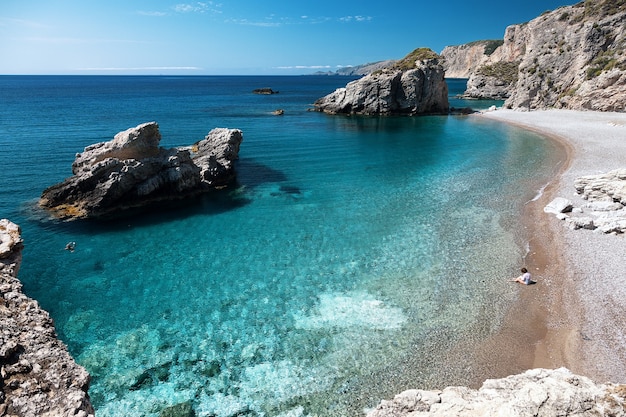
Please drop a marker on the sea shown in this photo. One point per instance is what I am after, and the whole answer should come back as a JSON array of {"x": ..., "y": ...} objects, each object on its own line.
[{"x": 346, "y": 262}]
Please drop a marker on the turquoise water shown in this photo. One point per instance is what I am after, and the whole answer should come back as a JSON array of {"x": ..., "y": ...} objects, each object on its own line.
[{"x": 351, "y": 253}]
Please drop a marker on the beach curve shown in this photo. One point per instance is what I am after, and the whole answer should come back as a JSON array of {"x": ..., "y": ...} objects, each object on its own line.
[{"x": 573, "y": 317}]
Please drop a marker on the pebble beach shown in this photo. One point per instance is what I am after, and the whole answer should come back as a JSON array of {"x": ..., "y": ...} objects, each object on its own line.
[{"x": 574, "y": 316}]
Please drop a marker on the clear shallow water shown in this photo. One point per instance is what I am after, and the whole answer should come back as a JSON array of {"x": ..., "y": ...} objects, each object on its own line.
[{"x": 352, "y": 253}]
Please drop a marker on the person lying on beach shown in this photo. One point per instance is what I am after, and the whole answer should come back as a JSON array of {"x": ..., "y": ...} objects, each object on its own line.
[{"x": 524, "y": 278}]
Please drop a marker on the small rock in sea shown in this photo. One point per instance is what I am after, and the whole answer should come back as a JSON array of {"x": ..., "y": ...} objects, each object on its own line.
[{"x": 265, "y": 90}]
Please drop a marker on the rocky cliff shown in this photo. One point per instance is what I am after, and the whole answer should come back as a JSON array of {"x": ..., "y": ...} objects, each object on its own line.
[
  {"x": 461, "y": 61},
  {"x": 413, "y": 85},
  {"x": 38, "y": 377},
  {"x": 537, "y": 392},
  {"x": 573, "y": 57},
  {"x": 132, "y": 170}
]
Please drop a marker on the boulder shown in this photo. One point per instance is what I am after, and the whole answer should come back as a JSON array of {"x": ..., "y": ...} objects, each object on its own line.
[
  {"x": 132, "y": 170},
  {"x": 38, "y": 377},
  {"x": 605, "y": 210},
  {"x": 558, "y": 205},
  {"x": 537, "y": 392},
  {"x": 414, "y": 85}
]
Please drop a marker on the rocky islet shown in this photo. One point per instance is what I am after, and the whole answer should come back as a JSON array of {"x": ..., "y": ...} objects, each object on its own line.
[{"x": 132, "y": 170}]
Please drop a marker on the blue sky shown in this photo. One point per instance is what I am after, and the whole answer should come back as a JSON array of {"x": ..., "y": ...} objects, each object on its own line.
[{"x": 239, "y": 36}]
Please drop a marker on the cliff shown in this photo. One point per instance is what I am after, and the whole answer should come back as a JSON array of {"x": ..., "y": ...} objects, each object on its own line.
[
  {"x": 413, "y": 85},
  {"x": 537, "y": 392},
  {"x": 461, "y": 61},
  {"x": 132, "y": 170},
  {"x": 572, "y": 57},
  {"x": 38, "y": 377}
]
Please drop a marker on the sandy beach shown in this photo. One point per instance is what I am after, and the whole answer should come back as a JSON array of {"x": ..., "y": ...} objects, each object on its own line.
[{"x": 574, "y": 316}]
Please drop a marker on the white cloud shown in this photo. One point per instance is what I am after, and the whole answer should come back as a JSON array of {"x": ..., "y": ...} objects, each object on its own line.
[
  {"x": 197, "y": 7},
  {"x": 141, "y": 69},
  {"x": 305, "y": 67},
  {"x": 355, "y": 18},
  {"x": 5, "y": 21},
  {"x": 152, "y": 14}
]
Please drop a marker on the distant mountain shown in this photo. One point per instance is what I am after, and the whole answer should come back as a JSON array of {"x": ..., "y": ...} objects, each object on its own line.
[{"x": 360, "y": 70}]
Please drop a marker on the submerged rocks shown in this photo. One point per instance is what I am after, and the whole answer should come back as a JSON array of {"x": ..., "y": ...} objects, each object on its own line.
[
  {"x": 133, "y": 171},
  {"x": 38, "y": 377},
  {"x": 606, "y": 207},
  {"x": 537, "y": 392},
  {"x": 414, "y": 85}
]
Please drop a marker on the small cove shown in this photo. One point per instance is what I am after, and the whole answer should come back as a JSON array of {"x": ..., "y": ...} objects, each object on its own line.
[{"x": 352, "y": 252}]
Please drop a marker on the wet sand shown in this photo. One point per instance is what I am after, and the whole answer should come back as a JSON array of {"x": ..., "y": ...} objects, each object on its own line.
[{"x": 574, "y": 315}]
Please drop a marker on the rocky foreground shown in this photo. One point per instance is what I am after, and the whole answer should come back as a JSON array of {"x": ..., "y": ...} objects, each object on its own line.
[
  {"x": 411, "y": 86},
  {"x": 535, "y": 393},
  {"x": 605, "y": 207},
  {"x": 132, "y": 170},
  {"x": 38, "y": 377}
]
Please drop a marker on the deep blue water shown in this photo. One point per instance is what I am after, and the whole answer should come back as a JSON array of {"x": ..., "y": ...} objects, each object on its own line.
[{"x": 350, "y": 249}]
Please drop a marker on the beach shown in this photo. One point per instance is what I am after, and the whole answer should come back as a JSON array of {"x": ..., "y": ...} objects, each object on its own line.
[{"x": 573, "y": 317}]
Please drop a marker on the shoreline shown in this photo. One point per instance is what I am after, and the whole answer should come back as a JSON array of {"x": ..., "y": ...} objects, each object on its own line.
[{"x": 569, "y": 318}]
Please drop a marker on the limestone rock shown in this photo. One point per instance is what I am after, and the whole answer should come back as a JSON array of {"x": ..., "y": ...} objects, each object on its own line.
[
  {"x": 537, "y": 392},
  {"x": 460, "y": 61},
  {"x": 558, "y": 205},
  {"x": 606, "y": 207},
  {"x": 604, "y": 187},
  {"x": 132, "y": 170},
  {"x": 571, "y": 58},
  {"x": 412, "y": 86},
  {"x": 38, "y": 377}
]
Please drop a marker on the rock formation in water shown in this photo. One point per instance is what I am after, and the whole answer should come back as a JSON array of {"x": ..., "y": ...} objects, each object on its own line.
[
  {"x": 537, "y": 392},
  {"x": 414, "y": 85},
  {"x": 38, "y": 377},
  {"x": 573, "y": 57},
  {"x": 461, "y": 61},
  {"x": 605, "y": 207},
  {"x": 133, "y": 171}
]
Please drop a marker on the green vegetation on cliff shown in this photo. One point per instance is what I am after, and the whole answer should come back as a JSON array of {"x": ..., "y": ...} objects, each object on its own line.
[
  {"x": 506, "y": 71},
  {"x": 419, "y": 54}
]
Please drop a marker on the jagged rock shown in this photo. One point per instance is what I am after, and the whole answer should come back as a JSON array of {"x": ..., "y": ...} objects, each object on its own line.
[
  {"x": 133, "y": 171},
  {"x": 38, "y": 377},
  {"x": 537, "y": 392},
  {"x": 460, "y": 61},
  {"x": 571, "y": 58},
  {"x": 605, "y": 211},
  {"x": 603, "y": 187},
  {"x": 414, "y": 85}
]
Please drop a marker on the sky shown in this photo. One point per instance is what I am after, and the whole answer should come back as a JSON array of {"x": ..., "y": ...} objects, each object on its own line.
[{"x": 240, "y": 37}]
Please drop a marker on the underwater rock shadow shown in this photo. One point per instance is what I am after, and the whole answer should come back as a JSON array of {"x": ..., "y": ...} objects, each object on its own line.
[
  {"x": 214, "y": 202},
  {"x": 253, "y": 174}
]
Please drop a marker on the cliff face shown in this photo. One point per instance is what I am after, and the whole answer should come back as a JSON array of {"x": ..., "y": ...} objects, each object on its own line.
[
  {"x": 573, "y": 57},
  {"x": 537, "y": 392},
  {"x": 38, "y": 377},
  {"x": 133, "y": 171},
  {"x": 461, "y": 61},
  {"x": 414, "y": 85}
]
